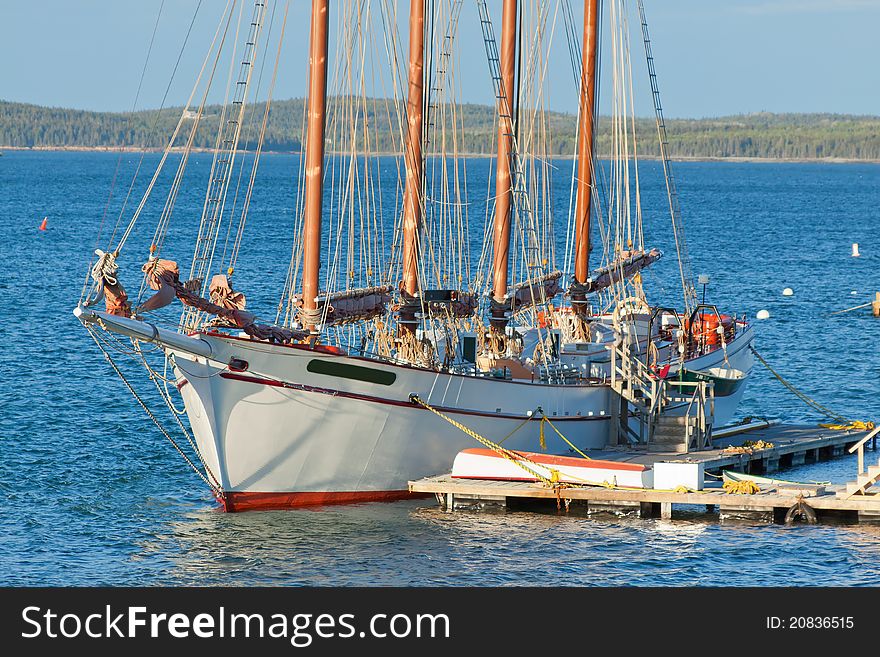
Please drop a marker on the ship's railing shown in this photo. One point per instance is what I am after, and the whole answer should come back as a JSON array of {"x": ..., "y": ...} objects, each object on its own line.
[
  {"x": 700, "y": 407},
  {"x": 651, "y": 395}
]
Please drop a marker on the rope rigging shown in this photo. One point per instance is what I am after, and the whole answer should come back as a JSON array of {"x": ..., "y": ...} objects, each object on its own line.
[{"x": 209, "y": 480}]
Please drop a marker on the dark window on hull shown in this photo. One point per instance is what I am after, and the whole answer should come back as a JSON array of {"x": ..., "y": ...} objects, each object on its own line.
[{"x": 348, "y": 371}]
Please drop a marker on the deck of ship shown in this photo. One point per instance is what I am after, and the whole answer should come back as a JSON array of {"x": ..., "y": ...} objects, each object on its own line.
[{"x": 792, "y": 445}]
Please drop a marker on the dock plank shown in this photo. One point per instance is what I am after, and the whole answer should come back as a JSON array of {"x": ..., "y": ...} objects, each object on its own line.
[{"x": 787, "y": 439}]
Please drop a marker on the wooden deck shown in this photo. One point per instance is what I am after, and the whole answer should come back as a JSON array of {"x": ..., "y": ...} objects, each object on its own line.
[{"x": 793, "y": 445}]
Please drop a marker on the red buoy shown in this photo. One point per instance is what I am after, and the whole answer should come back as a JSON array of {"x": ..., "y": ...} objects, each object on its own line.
[{"x": 45, "y": 221}]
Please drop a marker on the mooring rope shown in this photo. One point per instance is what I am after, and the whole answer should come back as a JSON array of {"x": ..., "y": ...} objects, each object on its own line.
[
  {"x": 510, "y": 455},
  {"x": 842, "y": 421},
  {"x": 519, "y": 459}
]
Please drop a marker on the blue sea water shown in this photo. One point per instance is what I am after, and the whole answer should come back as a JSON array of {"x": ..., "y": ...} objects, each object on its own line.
[{"x": 92, "y": 494}]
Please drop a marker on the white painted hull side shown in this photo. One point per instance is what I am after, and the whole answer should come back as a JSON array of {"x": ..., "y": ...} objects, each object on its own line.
[{"x": 278, "y": 427}]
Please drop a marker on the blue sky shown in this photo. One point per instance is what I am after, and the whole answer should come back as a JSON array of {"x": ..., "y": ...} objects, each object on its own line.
[{"x": 714, "y": 58}]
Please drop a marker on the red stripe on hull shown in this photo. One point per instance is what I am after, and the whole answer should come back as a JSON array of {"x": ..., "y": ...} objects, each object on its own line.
[{"x": 245, "y": 501}]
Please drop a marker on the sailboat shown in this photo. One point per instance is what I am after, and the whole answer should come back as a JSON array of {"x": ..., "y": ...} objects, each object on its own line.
[{"x": 332, "y": 402}]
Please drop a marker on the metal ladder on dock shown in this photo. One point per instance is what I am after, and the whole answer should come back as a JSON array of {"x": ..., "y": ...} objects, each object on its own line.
[
  {"x": 654, "y": 400},
  {"x": 865, "y": 478}
]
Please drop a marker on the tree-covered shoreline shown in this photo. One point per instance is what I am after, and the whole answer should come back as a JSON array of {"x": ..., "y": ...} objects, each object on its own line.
[{"x": 752, "y": 136}]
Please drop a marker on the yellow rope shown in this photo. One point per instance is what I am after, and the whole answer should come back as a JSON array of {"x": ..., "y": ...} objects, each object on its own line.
[
  {"x": 517, "y": 428},
  {"x": 757, "y": 444},
  {"x": 516, "y": 458},
  {"x": 546, "y": 419},
  {"x": 745, "y": 487},
  {"x": 842, "y": 423},
  {"x": 857, "y": 425}
]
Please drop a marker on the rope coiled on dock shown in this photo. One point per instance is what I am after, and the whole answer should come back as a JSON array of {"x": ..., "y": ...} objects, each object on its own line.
[{"x": 745, "y": 487}]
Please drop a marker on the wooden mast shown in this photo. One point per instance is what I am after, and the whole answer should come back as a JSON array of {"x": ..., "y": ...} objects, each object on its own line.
[
  {"x": 314, "y": 187},
  {"x": 503, "y": 187},
  {"x": 585, "y": 151},
  {"x": 412, "y": 206}
]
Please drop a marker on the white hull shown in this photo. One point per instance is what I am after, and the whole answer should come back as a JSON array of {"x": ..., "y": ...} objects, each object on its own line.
[
  {"x": 279, "y": 428},
  {"x": 486, "y": 464},
  {"x": 275, "y": 428}
]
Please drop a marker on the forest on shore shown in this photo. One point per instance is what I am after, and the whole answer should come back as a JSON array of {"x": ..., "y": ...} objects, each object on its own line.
[{"x": 759, "y": 135}]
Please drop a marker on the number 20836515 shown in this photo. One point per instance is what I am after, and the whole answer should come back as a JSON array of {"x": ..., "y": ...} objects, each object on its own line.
[{"x": 810, "y": 623}]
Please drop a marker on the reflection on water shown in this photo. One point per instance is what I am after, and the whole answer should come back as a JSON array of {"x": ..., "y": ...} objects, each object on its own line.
[{"x": 418, "y": 543}]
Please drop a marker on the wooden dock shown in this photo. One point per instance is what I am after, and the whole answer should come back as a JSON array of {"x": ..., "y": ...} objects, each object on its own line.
[{"x": 792, "y": 445}]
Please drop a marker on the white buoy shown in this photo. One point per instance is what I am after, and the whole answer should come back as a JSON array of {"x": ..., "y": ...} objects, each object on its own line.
[
  {"x": 787, "y": 292},
  {"x": 763, "y": 314},
  {"x": 854, "y": 292},
  {"x": 855, "y": 250}
]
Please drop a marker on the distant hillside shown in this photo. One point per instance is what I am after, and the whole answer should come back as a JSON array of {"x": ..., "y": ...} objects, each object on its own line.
[{"x": 764, "y": 135}]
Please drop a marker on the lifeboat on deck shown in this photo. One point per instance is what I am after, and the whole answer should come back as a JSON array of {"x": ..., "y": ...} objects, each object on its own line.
[{"x": 478, "y": 463}]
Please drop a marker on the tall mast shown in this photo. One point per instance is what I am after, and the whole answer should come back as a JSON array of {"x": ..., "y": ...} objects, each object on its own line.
[
  {"x": 412, "y": 207},
  {"x": 315, "y": 158},
  {"x": 585, "y": 150},
  {"x": 503, "y": 186}
]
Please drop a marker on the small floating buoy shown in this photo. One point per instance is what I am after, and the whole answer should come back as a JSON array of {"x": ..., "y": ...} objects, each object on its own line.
[
  {"x": 855, "y": 251},
  {"x": 854, "y": 292},
  {"x": 763, "y": 314},
  {"x": 787, "y": 292},
  {"x": 44, "y": 223}
]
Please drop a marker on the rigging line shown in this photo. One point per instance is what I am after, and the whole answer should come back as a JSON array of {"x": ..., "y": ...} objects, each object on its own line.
[
  {"x": 261, "y": 139},
  {"x": 215, "y": 488},
  {"x": 170, "y": 144},
  {"x": 247, "y": 144},
  {"x": 171, "y": 199},
  {"x": 128, "y": 124},
  {"x": 155, "y": 377},
  {"x": 221, "y": 183},
  {"x": 690, "y": 294},
  {"x": 143, "y": 152},
  {"x": 165, "y": 380},
  {"x": 799, "y": 394},
  {"x": 218, "y": 187},
  {"x": 156, "y": 121}
]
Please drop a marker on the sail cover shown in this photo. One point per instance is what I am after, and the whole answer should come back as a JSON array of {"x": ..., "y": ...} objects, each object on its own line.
[
  {"x": 622, "y": 268},
  {"x": 532, "y": 292},
  {"x": 347, "y": 306}
]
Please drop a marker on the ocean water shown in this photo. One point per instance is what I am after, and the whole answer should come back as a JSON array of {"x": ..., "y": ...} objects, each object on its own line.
[{"x": 91, "y": 494}]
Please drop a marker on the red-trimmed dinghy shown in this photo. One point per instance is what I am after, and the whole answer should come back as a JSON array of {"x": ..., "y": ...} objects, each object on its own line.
[{"x": 478, "y": 463}]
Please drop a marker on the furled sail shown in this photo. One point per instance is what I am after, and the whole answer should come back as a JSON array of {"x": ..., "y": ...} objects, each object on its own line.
[
  {"x": 228, "y": 305},
  {"x": 531, "y": 292},
  {"x": 345, "y": 307},
  {"x": 622, "y": 268}
]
